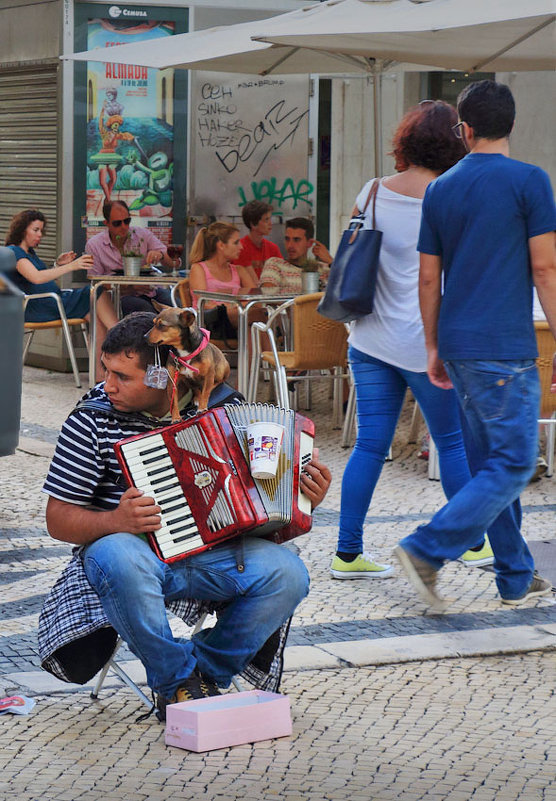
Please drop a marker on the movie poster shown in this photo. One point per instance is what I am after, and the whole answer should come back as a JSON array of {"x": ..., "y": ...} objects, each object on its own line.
[{"x": 130, "y": 129}]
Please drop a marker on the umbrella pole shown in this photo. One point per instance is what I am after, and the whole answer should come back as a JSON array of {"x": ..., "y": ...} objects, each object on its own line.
[{"x": 377, "y": 121}]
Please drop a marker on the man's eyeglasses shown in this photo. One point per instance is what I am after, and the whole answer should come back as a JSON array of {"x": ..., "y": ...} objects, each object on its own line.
[
  {"x": 457, "y": 129},
  {"x": 117, "y": 223}
]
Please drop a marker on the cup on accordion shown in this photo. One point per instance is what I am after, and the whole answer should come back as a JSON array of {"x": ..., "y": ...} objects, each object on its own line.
[{"x": 198, "y": 472}]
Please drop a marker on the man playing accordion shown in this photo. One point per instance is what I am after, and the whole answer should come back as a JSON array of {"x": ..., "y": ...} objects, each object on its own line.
[{"x": 116, "y": 583}]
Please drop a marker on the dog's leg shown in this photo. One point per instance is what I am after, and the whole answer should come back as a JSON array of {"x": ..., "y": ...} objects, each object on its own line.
[
  {"x": 206, "y": 389},
  {"x": 173, "y": 390}
]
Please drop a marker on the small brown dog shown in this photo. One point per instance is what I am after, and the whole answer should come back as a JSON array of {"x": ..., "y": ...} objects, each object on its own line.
[{"x": 201, "y": 364}]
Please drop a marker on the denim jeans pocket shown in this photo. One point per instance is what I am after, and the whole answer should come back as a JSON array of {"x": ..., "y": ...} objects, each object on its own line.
[{"x": 489, "y": 386}]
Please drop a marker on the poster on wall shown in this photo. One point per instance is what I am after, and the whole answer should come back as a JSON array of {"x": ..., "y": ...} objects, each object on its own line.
[
  {"x": 129, "y": 128},
  {"x": 250, "y": 142}
]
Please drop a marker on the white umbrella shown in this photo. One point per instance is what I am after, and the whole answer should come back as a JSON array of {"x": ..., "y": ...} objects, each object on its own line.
[
  {"x": 226, "y": 49},
  {"x": 466, "y": 35},
  {"x": 342, "y": 36}
]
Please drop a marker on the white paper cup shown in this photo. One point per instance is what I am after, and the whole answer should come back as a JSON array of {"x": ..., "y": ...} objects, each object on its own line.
[{"x": 264, "y": 441}]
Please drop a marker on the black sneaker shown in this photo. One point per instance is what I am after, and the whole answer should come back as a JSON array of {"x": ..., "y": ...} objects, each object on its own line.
[{"x": 193, "y": 688}]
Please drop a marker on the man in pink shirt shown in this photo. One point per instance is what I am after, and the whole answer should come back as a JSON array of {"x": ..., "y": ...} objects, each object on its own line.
[
  {"x": 106, "y": 249},
  {"x": 255, "y": 249}
]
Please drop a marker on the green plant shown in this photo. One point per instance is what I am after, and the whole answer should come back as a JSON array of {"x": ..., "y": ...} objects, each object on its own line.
[{"x": 126, "y": 249}]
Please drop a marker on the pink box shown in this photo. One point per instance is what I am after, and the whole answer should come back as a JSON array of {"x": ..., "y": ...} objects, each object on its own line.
[{"x": 230, "y": 719}]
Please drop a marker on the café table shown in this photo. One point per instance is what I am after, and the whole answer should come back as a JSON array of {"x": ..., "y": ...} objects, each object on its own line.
[
  {"x": 115, "y": 282},
  {"x": 244, "y": 302}
]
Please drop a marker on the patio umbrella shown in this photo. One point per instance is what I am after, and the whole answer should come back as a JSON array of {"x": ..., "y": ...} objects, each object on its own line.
[
  {"x": 342, "y": 36},
  {"x": 466, "y": 35}
]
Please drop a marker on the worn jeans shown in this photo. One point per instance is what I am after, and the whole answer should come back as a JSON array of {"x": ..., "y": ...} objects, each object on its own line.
[
  {"x": 134, "y": 584},
  {"x": 500, "y": 402},
  {"x": 381, "y": 389}
]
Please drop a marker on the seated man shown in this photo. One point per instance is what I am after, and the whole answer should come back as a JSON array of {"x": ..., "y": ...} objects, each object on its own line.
[
  {"x": 116, "y": 580},
  {"x": 255, "y": 249},
  {"x": 285, "y": 276},
  {"x": 119, "y": 238}
]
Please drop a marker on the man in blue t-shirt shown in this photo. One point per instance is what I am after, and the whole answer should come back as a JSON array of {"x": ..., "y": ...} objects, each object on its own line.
[{"x": 487, "y": 235}]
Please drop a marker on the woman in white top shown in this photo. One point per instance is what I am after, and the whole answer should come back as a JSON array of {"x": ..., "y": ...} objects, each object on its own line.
[{"x": 387, "y": 348}]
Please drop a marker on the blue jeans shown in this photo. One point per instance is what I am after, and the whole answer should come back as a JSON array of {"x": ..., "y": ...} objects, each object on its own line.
[
  {"x": 133, "y": 585},
  {"x": 380, "y": 389},
  {"x": 500, "y": 401}
]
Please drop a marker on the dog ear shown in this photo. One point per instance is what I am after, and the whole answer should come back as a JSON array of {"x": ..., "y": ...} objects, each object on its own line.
[
  {"x": 187, "y": 317},
  {"x": 160, "y": 306}
]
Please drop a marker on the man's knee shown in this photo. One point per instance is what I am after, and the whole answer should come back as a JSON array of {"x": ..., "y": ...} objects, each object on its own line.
[{"x": 120, "y": 557}]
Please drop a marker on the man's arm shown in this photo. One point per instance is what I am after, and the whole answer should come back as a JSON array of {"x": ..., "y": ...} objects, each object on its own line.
[
  {"x": 81, "y": 525},
  {"x": 430, "y": 277},
  {"x": 542, "y": 252}
]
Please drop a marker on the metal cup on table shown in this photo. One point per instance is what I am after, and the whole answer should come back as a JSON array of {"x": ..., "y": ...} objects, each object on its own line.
[{"x": 310, "y": 282}]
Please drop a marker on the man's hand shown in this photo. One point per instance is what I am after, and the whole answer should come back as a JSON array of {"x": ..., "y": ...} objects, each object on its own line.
[
  {"x": 553, "y": 384},
  {"x": 315, "y": 480},
  {"x": 137, "y": 512},
  {"x": 321, "y": 252},
  {"x": 154, "y": 257},
  {"x": 437, "y": 372}
]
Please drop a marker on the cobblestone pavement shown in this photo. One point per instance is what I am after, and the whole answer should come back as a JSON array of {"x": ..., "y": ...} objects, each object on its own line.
[{"x": 388, "y": 701}]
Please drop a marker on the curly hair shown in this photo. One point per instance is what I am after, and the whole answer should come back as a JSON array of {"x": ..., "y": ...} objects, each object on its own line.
[
  {"x": 424, "y": 138},
  {"x": 19, "y": 223},
  {"x": 204, "y": 244}
]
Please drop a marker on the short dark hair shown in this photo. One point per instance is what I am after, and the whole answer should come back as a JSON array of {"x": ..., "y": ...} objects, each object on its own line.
[
  {"x": 487, "y": 107},
  {"x": 425, "y": 138},
  {"x": 253, "y": 211},
  {"x": 19, "y": 223},
  {"x": 128, "y": 336},
  {"x": 107, "y": 207},
  {"x": 302, "y": 222}
]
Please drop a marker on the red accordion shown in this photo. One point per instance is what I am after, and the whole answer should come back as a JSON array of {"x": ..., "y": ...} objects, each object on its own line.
[{"x": 198, "y": 473}]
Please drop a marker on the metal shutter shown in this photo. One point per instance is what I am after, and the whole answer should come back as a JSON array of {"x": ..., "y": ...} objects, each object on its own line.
[{"x": 28, "y": 146}]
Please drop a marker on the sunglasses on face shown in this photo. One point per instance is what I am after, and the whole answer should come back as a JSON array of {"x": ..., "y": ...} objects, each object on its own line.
[
  {"x": 117, "y": 223},
  {"x": 457, "y": 129}
]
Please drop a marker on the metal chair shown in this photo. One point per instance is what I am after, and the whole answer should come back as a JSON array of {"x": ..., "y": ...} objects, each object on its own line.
[
  {"x": 181, "y": 297},
  {"x": 319, "y": 344},
  {"x": 547, "y": 346},
  {"x": 116, "y": 668},
  {"x": 62, "y": 323}
]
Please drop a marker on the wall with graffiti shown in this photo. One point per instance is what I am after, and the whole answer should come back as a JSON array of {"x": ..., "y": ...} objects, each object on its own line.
[{"x": 249, "y": 140}]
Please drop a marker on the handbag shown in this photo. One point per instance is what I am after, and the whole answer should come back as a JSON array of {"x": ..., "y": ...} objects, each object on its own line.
[{"x": 351, "y": 283}]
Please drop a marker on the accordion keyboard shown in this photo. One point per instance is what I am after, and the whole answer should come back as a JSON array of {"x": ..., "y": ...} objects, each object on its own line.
[{"x": 153, "y": 473}]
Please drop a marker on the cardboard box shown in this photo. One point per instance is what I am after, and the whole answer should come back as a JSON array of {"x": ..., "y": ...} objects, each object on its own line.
[{"x": 225, "y": 720}]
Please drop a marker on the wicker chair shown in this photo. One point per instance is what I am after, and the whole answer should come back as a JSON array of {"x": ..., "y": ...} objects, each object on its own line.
[
  {"x": 319, "y": 345},
  {"x": 547, "y": 347},
  {"x": 62, "y": 323}
]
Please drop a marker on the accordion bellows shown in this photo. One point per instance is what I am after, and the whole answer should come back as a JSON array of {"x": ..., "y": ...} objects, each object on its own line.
[{"x": 198, "y": 472}]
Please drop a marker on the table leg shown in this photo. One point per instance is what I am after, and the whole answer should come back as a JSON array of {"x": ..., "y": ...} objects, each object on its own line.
[{"x": 93, "y": 334}]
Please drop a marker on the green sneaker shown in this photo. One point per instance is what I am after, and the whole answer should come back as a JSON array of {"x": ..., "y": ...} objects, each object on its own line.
[
  {"x": 478, "y": 558},
  {"x": 362, "y": 567}
]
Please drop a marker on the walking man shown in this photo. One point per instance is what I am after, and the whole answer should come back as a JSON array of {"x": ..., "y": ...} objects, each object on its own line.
[{"x": 487, "y": 235}]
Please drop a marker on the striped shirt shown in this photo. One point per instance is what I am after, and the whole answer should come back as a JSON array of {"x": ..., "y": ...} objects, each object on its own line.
[{"x": 84, "y": 470}]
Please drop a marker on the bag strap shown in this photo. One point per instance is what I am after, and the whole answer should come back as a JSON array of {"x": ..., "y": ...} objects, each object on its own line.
[{"x": 372, "y": 194}]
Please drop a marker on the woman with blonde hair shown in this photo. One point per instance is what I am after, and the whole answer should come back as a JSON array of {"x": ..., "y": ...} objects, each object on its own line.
[{"x": 212, "y": 258}]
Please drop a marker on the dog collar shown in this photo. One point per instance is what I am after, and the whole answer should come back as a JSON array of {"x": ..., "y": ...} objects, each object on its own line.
[{"x": 184, "y": 360}]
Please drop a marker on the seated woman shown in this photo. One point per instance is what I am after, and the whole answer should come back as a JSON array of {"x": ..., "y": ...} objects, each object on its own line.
[
  {"x": 213, "y": 268},
  {"x": 33, "y": 277}
]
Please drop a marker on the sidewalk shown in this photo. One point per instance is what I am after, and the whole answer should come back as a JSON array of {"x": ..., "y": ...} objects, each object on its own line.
[{"x": 387, "y": 701}]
